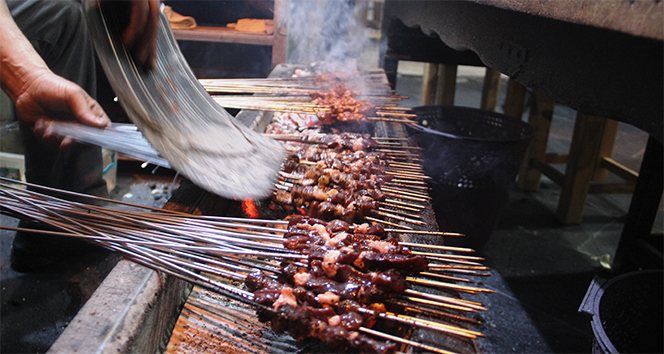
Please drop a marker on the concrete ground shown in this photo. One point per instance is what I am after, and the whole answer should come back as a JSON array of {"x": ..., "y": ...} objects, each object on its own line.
[{"x": 541, "y": 269}]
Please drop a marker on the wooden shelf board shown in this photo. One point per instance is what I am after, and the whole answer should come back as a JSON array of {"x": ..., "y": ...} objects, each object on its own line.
[{"x": 223, "y": 35}]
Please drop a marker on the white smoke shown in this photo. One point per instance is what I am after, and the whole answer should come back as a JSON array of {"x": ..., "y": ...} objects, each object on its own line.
[{"x": 326, "y": 31}]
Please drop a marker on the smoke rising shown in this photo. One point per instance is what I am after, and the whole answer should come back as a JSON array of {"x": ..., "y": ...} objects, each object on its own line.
[{"x": 326, "y": 31}]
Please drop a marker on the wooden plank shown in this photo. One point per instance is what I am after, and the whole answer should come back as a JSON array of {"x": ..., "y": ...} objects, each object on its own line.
[
  {"x": 540, "y": 116},
  {"x": 619, "y": 169},
  {"x": 446, "y": 85},
  {"x": 223, "y": 35},
  {"x": 554, "y": 175},
  {"x": 586, "y": 140},
  {"x": 554, "y": 158},
  {"x": 490, "y": 90}
]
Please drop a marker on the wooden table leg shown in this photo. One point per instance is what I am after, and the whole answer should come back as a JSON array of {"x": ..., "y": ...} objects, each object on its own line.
[
  {"x": 515, "y": 97},
  {"x": 539, "y": 117},
  {"x": 490, "y": 90},
  {"x": 446, "y": 87},
  {"x": 429, "y": 83},
  {"x": 605, "y": 149},
  {"x": 583, "y": 156}
]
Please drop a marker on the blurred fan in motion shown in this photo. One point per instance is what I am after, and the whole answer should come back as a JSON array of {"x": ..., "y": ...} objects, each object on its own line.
[{"x": 48, "y": 71}]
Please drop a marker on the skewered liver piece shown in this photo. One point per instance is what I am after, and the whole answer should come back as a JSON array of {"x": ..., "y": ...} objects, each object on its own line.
[{"x": 342, "y": 184}]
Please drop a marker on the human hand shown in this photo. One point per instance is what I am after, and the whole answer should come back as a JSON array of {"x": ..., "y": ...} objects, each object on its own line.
[
  {"x": 46, "y": 97},
  {"x": 140, "y": 36}
]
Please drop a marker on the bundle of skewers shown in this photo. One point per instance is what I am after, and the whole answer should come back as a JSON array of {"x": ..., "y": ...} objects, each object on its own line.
[
  {"x": 331, "y": 98},
  {"x": 353, "y": 177},
  {"x": 351, "y": 286}
]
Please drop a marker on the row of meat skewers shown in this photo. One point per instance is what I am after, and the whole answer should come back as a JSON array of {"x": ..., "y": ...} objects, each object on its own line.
[
  {"x": 333, "y": 271},
  {"x": 310, "y": 278},
  {"x": 331, "y": 98}
]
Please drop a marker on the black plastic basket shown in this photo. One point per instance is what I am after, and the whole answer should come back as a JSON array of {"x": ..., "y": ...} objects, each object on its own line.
[
  {"x": 473, "y": 157},
  {"x": 626, "y": 312},
  {"x": 470, "y": 148}
]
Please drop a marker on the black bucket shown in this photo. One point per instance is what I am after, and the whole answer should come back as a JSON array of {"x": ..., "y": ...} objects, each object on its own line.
[
  {"x": 473, "y": 157},
  {"x": 626, "y": 313}
]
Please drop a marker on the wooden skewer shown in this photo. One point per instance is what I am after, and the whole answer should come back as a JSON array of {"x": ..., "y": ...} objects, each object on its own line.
[
  {"x": 407, "y": 181},
  {"x": 444, "y": 248},
  {"x": 393, "y": 159},
  {"x": 408, "y": 175},
  {"x": 396, "y": 120},
  {"x": 427, "y": 324},
  {"x": 405, "y": 341},
  {"x": 438, "y": 233},
  {"x": 400, "y": 169},
  {"x": 398, "y": 202},
  {"x": 454, "y": 260},
  {"x": 390, "y": 205},
  {"x": 454, "y": 270},
  {"x": 415, "y": 171},
  {"x": 413, "y": 165},
  {"x": 466, "y": 267},
  {"x": 443, "y": 304},
  {"x": 398, "y": 188},
  {"x": 403, "y": 192},
  {"x": 462, "y": 288},
  {"x": 447, "y": 277},
  {"x": 460, "y": 331},
  {"x": 461, "y": 256},
  {"x": 399, "y": 212},
  {"x": 404, "y": 115},
  {"x": 396, "y": 146},
  {"x": 444, "y": 298},
  {"x": 435, "y": 313},
  {"x": 432, "y": 303},
  {"x": 405, "y": 197},
  {"x": 400, "y": 218},
  {"x": 369, "y": 218},
  {"x": 390, "y": 138},
  {"x": 394, "y": 153}
]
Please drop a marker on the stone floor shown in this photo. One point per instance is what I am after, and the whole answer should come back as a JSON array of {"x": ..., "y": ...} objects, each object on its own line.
[{"x": 541, "y": 269}]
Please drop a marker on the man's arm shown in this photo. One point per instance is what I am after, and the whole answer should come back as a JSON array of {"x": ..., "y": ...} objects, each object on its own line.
[{"x": 39, "y": 94}]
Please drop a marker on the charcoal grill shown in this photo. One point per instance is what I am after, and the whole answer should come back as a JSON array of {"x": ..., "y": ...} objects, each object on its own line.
[{"x": 136, "y": 309}]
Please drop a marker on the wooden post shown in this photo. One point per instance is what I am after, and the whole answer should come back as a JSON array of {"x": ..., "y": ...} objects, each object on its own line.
[
  {"x": 429, "y": 82},
  {"x": 540, "y": 116},
  {"x": 514, "y": 99},
  {"x": 280, "y": 41},
  {"x": 446, "y": 86},
  {"x": 585, "y": 145},
  {"x": 490, "y": 90},
  {"x": 605, "y": 149}
]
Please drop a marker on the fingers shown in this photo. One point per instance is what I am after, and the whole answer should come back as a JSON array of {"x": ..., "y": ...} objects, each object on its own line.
[
  {"x": 146, "y": 50},
  {"x": 86, "y": 110},
  {"x": 141, "y": 34},
  {"x": 138, "y": 19}
]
